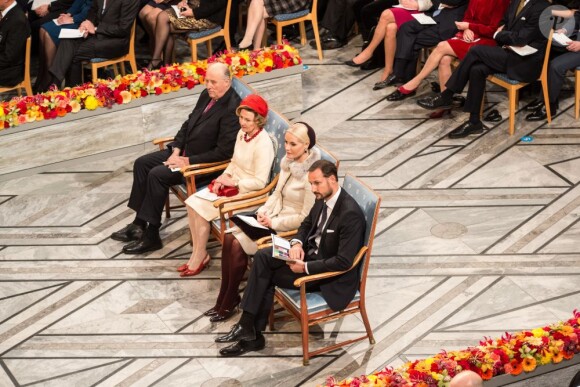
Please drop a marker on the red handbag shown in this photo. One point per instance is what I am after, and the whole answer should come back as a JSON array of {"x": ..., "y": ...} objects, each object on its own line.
[{"x": 224, "y": 190}]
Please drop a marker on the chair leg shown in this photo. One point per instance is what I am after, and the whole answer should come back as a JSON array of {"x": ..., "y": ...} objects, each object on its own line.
[
  {"x": 209, "y": 48},
  {"x": 304, "y": 328},
  {"x": 115, "y": 70},
  {"x": 133, "y": 64},
  {"x": 546, "y": 99},
  {"x": 227, "y": 41},
  {"x": 317, "y": 38},
  {"x": 302, "y": 33},
  {"x": 278, "y": 34},
  {"x": 193, "y": 47},
  {"x": 122, "y": 65},
  {"x": 271, "y": 318},
  {"x": 363, "y": 313},
  {"x": 94, "y": 73},
  {"x": 167, "y": 208},
  {"x": 512, "y": 95}
]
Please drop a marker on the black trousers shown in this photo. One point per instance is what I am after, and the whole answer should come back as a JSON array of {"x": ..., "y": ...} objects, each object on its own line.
[
  {"x": 339, "y": 18},
  {"x": 557, "y": 73},
  {"x": 266, "y": 273},
  {"x": 70, "y": 54},
  {"x": 479, "y": 62},
  {"x": 151, "y": 182},
  {"x": 367, "y": 14}
]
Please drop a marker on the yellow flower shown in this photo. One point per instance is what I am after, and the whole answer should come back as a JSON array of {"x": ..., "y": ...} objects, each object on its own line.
[
  {"x": 546, "y": 358},
  {"x": 91, "y": 103},
  {"x": 539, "y": 332},
  {"x": 1, "y": 112}
]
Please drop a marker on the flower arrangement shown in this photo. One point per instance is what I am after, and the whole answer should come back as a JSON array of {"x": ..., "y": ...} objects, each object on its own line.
[
  {"x": 509, "y": 354},
  {"x": 123, "y": 89}
]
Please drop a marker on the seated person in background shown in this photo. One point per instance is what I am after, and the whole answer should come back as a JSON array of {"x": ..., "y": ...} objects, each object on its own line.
[
  {"x": 107, "y": 35},
  {"x": 337, "y": 22},
  {"x": 328, "y": 239},
  {"x": 520, "y": 26},
  {"x": 49, "y": 39},
  {"x": 561, "y": 61},
  {"x": 391, "y": 20},
  {"x": 208, "y": 135},
  {"x": 44, "y": 13},
  {"x": 414, "y": 36},
  {"x": 197, "y": 15},
  {"x": 248, "y": 171},
  {"x": 259, "y": 11},
  {"x": 148, "y": 15},
  {"x": 14, "y": 30},
  {"x": 478, "y": 26},
  {"x": 284, "y": 211}
]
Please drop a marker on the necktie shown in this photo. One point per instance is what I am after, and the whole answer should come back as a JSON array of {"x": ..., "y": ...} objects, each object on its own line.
[
  {"x": 520, "y": 6},
  {"x": 209, "y": 105},
  {"x": 312, "y": 239}
]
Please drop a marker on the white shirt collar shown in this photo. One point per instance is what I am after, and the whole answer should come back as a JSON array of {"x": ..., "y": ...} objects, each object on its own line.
[
  {"x": 332, "y": 201},
  {"x": 14, "y": 4}
]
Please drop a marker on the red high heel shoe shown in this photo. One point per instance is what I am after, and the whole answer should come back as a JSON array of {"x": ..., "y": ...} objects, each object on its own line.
[
  {"x": 183, "y": 267},
  {"x": 200, "y": 268}
]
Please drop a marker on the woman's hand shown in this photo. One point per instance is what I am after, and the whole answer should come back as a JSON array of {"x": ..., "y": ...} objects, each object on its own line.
[
  {"x": 227, "y": 180},
  {"x": 264, "y": 220},
  {"x": 216, "y": 186},
  {"x": 462, "y": 26},
  {"x": 468, "y": 35},
  {"x": 187, "y": 13},
  {"x": 409, "y": 4},
  {"x": 65, "y": 18}
]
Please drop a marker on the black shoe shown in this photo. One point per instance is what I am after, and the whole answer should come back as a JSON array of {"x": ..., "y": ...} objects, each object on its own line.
[
  {"x": 146, "y": 244},
  {"x": 535, "y": 105},
  {"x": 398, "y": 96},
  {"x": 331, "y": 43},
  {"x": 539, "y": 114},
  {"x": 224, "y": 315},
  {"x": 433, "y": 102},
  {"x": 129, "y": 233},
  {"x": 370, "y": 65},
  {"x": 493, "y": 116},
  {"x": 250, "y": 48},
  {"x": 466, "y": 129},
  {"x": 351, "y": 63},
  {"x": 392, "y": 80},
  {"x": 237, "y": 333},
  {"x": 212, "y": 312},
  {"x": 244, "y": 346}
]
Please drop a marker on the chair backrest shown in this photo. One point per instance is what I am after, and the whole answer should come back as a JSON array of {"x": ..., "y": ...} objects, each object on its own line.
[
  {"x": 276, "y": 126},
  {"x": 369, "y": 202},
  {"x": 226, "y": 26},
  {"x": 326, "y": 155},
  {"x": 242, "y": 88},
  {"x": 26, "y": 79},
  {"x": 544, "y": 73},
  {"x": 132, "y": 41}
]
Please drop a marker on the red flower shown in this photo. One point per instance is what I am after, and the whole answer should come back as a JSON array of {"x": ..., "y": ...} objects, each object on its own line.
[
  {"x": 158, "y": 91},
  {"x": 199, "y": 71},
  {"x": 119, "y": 100},
  {"x": 122, "y": 87},
  {"x": 190, "y": 84},
  {"x": 144, "y": 93}
]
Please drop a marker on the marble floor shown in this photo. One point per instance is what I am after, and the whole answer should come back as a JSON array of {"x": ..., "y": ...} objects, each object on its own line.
[{"x": 476, "y": 237}]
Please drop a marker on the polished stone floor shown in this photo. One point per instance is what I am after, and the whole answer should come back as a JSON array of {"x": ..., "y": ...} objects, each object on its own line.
[{"x": 476, "y": 237}]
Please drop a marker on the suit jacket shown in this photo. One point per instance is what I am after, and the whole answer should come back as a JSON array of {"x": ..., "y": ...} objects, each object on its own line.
[
  {"x": 448, "y": 16},
  {"x": 14, "y": 30},
  {"x": 211, "y": 136},
  {"x": 212, "y": 10},
  {"x": 113, "y": 26},
  {"x": 520, "y": 30},
  {"x": 341, "y": 239}
]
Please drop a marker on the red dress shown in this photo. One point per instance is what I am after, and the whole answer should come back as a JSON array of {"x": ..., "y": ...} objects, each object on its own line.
[{"x": 483, "y": 17}]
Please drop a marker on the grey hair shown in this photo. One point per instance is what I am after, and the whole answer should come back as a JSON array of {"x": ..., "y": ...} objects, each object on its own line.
[{"x": 224, "y": 68}]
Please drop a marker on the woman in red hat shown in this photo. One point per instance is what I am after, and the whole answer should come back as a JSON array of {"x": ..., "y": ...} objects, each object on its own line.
[
  {"x": 249, "y": 170},
  {"x": 283, "y": 211}
]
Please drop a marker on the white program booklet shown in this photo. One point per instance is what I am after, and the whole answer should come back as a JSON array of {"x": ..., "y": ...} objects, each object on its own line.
[
  {"x": 281, "y": 248},
  {"x": 177, "y": 11},
  {"x": 424, "y": 19},
  {"x": 562, "y": 39},
  {"x": 523, "y": 50},
  {"x": 251, "y": 221},
  {"x": 38, "y": 3},
  {"x": 69, "y": 33},
  {"x": 403, "y": 7},
  {"x": 205, "y": 194}
]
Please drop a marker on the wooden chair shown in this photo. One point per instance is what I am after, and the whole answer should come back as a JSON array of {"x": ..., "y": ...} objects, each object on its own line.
[
  {"x": 183, "y": 191},
  {"x": 25, "y": 84},
  {"x": 283, "y": 20},
  {"x": 577, "y": 93},
  {"x": 97, "y": 63},
  {"x": 194, "y": 38},
  {"x": 512, "y": 86},
  {"x": 309, "y": 307}
]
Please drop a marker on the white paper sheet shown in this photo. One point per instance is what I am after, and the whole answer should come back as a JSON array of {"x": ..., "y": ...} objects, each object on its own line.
[
  {"x": 69, "y": 33},
  {"x": 423, "y": 19}
]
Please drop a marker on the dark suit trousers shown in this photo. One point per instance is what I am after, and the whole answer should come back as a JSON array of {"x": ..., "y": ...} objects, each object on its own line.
[
  {"x": 339, "y": 18},
  {"x": 411, "y": 37},
  {"x": 151, "y": 182},
  {"x": 266, "y": 273},
  {"x": 69, "y": 57},
  {"x": 479, "y": 62},
  {"x": 557, "y": 73}
]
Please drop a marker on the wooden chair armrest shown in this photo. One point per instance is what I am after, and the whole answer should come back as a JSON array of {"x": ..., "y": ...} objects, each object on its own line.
[
  {"x": 241, "y": 206},
  {"x": 265, "y": 241},
  {"x": 203, "y": 165},
  {"x": 315, "y": 277},
  {"x": 205, "y": 171},
  {"x": 161, "y": 141},
  {"x": 250, "y": 195}
]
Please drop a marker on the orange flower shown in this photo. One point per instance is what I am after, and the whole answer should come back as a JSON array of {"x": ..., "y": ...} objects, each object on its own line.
[
  {"x": 517, "y": 367},
  {"x": 557, "y": 357},
  {"x": 529, "y": 364},
  {"x": 487, "y": 374},
  {"x": 567, "y": 355},
  {"x": 165, "y": 88}
]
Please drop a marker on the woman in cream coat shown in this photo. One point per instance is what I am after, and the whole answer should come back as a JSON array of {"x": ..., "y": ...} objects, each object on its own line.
[
  {"x": 284, "y": 211},
  {"x": 249, "y": 170}
]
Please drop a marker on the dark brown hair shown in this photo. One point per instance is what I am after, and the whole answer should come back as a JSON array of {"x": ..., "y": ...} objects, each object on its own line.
[{"x": 326, "y": 167}]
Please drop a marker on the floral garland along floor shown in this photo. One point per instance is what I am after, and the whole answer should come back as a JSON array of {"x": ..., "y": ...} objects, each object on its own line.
[
  {"x": 123, "y": 89},
  {"x": 509, "y": 354}
]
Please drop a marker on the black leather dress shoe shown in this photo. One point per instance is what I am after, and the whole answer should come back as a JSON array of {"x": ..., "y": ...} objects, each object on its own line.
[
  {"x": 223, "y": 315},
  {"x": 144, "y": 245},
  {"x": 535, "y": 105},
  {"x": 539, "y": 114},
  {"x": 244, "y": 346},
  {"x": 237, "y": 333},
  {"x": 433, "y": 102},
  {"x": 466, "y": 129},
  {"x": 398, "y": 96},
  {"x": 129, "y": 233},
  {"x": 351, "y": 63},
  {"x": 331, "y": 43},
  {"x": 392, "y": 80},
  {"x": 212, "y": 312}
]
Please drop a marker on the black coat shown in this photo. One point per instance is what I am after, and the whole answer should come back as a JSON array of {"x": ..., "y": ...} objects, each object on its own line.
[
  {"x": 211, "y": 136},
  {"x": 341, "y": 240},
  {"x": 520, "y": 30},
  {"x": 14, "y": 30}
]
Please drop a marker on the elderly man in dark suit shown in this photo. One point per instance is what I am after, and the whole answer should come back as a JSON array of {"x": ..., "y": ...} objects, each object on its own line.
[
  {"x": 107, "y": 35},
  {"x": 14, "y": 30},
  {"x": 520, "y": 26},
  {"x": 328, "y": 240},
  {"x": 208, "y": 135}
]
